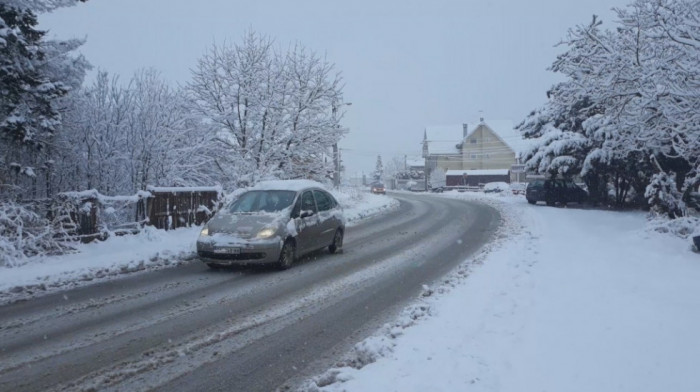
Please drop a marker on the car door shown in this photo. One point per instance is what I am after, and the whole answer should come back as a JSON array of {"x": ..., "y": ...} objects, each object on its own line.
[
  {"x": 327, "y": 222},
  {"x": 307, "y": 226}
]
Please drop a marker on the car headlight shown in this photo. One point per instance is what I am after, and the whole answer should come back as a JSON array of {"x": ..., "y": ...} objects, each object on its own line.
[
  {"x": 266, "y": 232},
  {"x": 204, "y": 232}
]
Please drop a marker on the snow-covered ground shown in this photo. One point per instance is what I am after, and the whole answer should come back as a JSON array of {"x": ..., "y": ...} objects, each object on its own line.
[
  {"x": 151, "y": 249},
  {"x": 566, "y": 299}
]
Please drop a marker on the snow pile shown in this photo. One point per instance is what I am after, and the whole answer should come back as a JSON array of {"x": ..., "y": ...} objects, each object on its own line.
[
  {"x": 566, "y": 299},
  {"x": 149, "y": 249},
  {"x": 359, "y": 204}
]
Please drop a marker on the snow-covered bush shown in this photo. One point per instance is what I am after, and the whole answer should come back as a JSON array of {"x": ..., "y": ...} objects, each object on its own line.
[
  {"x": 684, "y": 227},
  {"x": 663, "y": 196},
  {"x": 24, "y": 233}
]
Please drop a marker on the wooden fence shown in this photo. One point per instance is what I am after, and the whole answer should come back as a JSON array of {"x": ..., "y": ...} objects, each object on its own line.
[
  {"x": 170, "y": 208},
  {"x": 88, "y": 215}
]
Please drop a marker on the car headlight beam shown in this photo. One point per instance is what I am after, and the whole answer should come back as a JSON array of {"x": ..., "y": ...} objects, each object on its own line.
[
  {"x": 266, "y": 232},
  {"x": 204, "y": 232}
]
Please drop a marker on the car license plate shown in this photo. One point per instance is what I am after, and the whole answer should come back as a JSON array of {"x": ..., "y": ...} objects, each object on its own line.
[{"x": 228, "y": 251}]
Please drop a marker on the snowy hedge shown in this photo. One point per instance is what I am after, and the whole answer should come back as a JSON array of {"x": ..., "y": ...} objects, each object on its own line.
[{"x": 24, "y": 233}]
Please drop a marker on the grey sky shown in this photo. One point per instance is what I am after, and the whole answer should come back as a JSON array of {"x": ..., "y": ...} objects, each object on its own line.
[{"x": 406, "y": 64}]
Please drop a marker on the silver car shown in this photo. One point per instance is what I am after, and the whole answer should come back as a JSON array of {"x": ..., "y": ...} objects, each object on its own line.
[{"x": 274, "y": 222}]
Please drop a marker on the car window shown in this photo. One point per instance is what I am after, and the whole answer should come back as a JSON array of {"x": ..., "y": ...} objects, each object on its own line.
[
  {"x": 262, "y": 201},
  {"x": 307, "y": 202},
  {"x": 322, "y": 200},
  {"x": 296, "y": 211}
]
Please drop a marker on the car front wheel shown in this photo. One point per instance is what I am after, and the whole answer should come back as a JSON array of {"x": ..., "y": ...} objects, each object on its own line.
[
  {"x": 287, "y": 255},
  {"x": 337, "y": 245}
]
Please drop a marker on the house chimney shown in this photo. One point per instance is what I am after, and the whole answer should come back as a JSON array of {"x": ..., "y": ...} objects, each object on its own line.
[{"x": 465, "y": 130}]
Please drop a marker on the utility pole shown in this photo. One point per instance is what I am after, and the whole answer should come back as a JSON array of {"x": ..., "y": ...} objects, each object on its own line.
[
  {"x": 336, "y": 150},
  {"x": 336, "y": 163}
]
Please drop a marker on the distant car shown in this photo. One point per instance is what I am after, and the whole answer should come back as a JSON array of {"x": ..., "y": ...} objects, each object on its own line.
[
  {"x": 378, "y": 188},
  {"x": 274, "y": 222},
  {"x": 554, "y": 191},
  {"x": 496, "y": 187},
  {"x": 437, "y": 189}
]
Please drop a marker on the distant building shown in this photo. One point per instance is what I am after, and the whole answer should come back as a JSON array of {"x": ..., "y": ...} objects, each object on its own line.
[{"x": 484, "y": 149}]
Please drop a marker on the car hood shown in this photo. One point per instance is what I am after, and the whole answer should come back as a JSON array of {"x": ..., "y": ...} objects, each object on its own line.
[{"x": 245, "y": 225}]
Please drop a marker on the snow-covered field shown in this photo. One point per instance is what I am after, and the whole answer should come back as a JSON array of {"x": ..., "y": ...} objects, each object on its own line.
[
  {"x": 566, "y": 299},
  {"x": 151, "y": 249}
]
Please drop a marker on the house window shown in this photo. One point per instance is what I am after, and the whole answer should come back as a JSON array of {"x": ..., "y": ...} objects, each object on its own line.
[
  {"x": 472, "y": 140},
  {"x": 473, "y": 156}
]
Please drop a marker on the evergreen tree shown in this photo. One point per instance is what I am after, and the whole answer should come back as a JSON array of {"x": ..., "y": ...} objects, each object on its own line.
[
  {"x": 379, "y": 169},
  {"x": 34, "y": 75}
]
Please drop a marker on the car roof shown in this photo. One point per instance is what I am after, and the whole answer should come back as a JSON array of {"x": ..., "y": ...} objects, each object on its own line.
[{"x": 287, "y": 185}]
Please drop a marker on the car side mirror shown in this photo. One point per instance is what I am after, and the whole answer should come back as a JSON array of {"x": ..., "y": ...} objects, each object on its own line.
[{"x": 306, "y": 214}]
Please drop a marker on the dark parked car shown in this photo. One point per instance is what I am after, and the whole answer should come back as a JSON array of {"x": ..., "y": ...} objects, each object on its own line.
[
  {"x": 273, "y": 223},
  {"x": 554, "y": 191}
]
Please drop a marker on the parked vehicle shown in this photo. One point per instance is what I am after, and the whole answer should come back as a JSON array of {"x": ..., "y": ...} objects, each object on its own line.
[
  {"x": 378, "y": 188},
  {"x": 554, "y": 191},
  {"x": 274, "y": 222}
]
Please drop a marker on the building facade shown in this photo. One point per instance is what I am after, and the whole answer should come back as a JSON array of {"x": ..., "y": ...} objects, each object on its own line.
[{"x": 473, "y": 147}]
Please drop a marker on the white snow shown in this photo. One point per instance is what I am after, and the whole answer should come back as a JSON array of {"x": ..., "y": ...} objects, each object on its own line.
[
  {"x": 566, "y": 299},
  {"x": 481, "y": 172},
  {"x": 193, "y": 189},
  {"x": 292, "y": 185}
]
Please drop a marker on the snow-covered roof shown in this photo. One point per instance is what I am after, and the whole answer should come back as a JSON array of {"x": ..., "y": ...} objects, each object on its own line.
[
  {"x": 415, "y": 162},
  {"x": 291, "y": 185},
  {"x": 173, "y": 189},
  {"x": 483, "y": 172},
  {"x": 443, "y": 139}
]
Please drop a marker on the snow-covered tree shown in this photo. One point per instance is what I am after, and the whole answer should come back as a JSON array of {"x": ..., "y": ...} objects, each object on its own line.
[
  {"x": 629, "y": 94},
  {"x": 35, "y": 74},
  {"x": 378, "y": 169},
  {"x": 276, "y": 113},
  {"x": 120, "y": 138}
]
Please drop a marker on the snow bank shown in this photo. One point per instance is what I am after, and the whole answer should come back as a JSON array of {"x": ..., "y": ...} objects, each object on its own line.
[{"x": 566, "y": 299}]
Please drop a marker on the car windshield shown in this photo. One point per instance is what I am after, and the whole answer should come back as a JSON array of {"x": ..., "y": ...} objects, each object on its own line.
[{"x": 262, "y": 201}]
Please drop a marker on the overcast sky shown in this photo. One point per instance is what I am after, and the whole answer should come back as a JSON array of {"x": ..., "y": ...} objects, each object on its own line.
[{"x": 406, "y": 64}]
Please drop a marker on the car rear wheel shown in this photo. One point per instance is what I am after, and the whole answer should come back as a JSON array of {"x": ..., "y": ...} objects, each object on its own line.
[
  {"x": 550, "y": 203},
  {"x": 531, "y": 201},
  {"x": 337, "y": 245},
  {"x": 287, "y": 255}
]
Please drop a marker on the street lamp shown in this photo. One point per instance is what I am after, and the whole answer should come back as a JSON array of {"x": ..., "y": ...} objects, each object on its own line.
[{"x": 336, "y": 152}]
